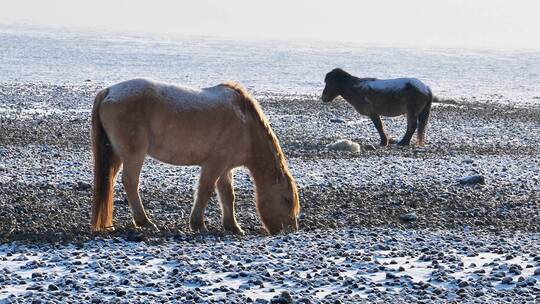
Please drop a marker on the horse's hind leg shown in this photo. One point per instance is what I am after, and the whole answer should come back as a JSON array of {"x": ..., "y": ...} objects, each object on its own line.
[
  {"x": 422, "y": 123},
  {"x": 376, "y": 119},
  {"x": 412, "y": 122},
  {"x": 207, "y": 182},
  {"x": 131, "y": 178},
  {"x": 226, "y": 198}
]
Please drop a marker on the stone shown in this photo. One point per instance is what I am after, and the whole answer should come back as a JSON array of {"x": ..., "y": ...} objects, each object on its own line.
[
  {"x": 83, "y": 186},
  {"x": 337, "y": 120},
  {"x": 344, "y": 145},
  {"x": 472, "y": 180},
  {"x": 463, "y": 284},
  {"x": 408, "y": 217},
  {"x": 283, "y": 298},
  {"x": 507, "y": 280}
]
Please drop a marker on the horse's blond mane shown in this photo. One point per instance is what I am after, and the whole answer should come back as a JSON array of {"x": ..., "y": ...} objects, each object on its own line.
[{"x": 253, "y": 107}]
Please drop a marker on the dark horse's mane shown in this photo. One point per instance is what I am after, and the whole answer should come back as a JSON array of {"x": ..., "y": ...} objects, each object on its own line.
[
  {"x": 339, "y": 75},
  {"x": 253, "y": 107}
]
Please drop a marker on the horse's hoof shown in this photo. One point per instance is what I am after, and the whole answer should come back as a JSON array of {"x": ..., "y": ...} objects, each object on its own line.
[
  {"x": 108, "y": 229},
  {"x": 201, "y": 231},
  {"x": 403, "y": 144},
  {"x": 147, "y": 224},
  {"x": 198, "y": 228},
  {"x": 150, "y": 225},
  {"x": 234, "y": 230}
]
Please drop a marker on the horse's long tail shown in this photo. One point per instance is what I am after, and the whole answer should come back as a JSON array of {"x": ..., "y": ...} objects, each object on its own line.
[{"x": 106, "y": 165}]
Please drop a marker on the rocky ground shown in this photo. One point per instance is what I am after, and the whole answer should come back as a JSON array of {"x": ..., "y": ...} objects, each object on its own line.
[
  {"x": 332, "y": 266},
  {"x": 360, "y": 210}
]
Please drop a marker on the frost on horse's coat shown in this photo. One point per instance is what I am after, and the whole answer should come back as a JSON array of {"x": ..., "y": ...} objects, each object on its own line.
[
  {"x": 394, "y": 85},
  {"x": 180, "y": 97}
]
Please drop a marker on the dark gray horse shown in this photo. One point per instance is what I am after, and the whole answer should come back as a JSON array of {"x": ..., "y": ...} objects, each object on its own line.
[{"x": 387, "y": 97}]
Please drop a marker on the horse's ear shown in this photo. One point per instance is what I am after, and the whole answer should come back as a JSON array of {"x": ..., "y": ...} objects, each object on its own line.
[{"x": 339, "y": 75}]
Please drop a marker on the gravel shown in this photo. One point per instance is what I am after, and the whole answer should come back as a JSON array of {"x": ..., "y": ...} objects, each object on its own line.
[
  {"x": 348, "y": 265},
  {"x": 352, "y": 205}
]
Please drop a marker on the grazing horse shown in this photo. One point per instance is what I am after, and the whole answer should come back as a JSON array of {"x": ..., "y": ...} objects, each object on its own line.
[
  {"x": 387, "y": 97},
  {"x": 217, "y": 128}
]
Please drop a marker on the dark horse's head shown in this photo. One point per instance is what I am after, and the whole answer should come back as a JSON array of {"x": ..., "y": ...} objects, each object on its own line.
[{"x": 335, "y": 80}]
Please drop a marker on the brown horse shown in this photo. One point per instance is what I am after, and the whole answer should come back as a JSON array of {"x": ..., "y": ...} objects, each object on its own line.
[
  {"x": 217, "y": 128},
  {"x": 389, "y": 97}
]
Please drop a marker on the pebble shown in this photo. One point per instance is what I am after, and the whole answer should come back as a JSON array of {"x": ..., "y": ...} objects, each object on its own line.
[
  {"x": 507, "y": 280},
  {"x": 408, "y": 217},
  {"x": 472, "y": 180},
  {"x": 83, "y": 186}
]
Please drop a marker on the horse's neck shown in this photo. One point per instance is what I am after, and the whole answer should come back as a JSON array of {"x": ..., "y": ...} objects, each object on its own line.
[
  {"x": 354, "y": 93},
  {"x": 264, "y": 165}
]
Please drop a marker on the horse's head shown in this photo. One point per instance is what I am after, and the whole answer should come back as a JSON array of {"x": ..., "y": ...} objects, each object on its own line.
[
  {"x": 279, "y": 208},
  {"x": 334, "y": 81}
]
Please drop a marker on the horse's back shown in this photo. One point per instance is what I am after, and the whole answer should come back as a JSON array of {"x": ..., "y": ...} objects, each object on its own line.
[
  {"x": 398, "y": 85},
  {"x": 178, "y": 125},
  {"x": 129, "y": 89},
  {"x": 168, "y": 93}
]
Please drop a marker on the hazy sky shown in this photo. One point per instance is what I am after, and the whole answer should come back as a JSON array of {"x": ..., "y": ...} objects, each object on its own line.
[{"x": 471, "y": 23}]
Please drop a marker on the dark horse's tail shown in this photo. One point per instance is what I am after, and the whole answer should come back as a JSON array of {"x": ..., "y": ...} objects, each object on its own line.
[
  {"x": 106, "y": 165},
  {"x": 423, "y": 118},
  {"x": 438, "y": 99}
]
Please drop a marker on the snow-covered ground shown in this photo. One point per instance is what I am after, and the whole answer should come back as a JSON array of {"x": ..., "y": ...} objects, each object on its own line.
[{"x": 349, "y": 265}]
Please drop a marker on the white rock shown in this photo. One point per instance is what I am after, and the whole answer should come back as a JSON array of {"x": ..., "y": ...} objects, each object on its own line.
[{"x": 344, "y": 145}]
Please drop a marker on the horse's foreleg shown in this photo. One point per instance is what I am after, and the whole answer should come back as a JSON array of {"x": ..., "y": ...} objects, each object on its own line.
[
  {"x": 226, "y": 198},
  {"x": 130, "y": 179},
  {"x": 376, "y": 119},
  {"x": 207, "y": 182},
  {"x": 412, "y": 121}
]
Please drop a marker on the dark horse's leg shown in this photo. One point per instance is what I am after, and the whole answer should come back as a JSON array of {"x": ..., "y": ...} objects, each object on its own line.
[
  {"x": 412, "y": 122},
  {"x": 380, "y": 128},
  {"x": 422, "y": 123}
]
